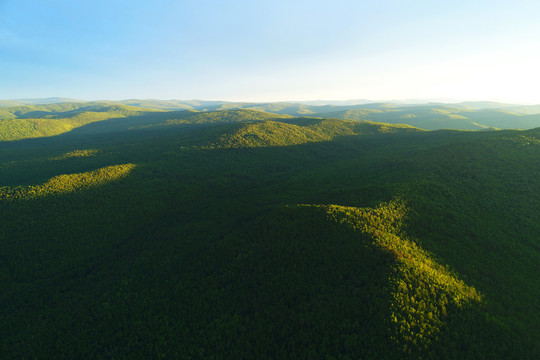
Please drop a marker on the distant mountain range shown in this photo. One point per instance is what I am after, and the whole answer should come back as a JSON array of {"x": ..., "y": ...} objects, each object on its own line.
[
  {"x": 482, "y": 115},
  {"x": 41, "y": 101}
]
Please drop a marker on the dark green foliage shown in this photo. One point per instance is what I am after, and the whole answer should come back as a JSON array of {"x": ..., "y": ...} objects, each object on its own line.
[{"x": 179, "y": 235}]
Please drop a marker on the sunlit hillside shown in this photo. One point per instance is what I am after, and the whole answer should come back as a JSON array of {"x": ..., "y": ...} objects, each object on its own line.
[{"x": 42, "y": 120}]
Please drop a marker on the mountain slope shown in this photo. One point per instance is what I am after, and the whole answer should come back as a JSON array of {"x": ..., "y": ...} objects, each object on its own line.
[
  {"x": 296, "y": 131},
  {"x": 314, "y": 238},
  {"x": 442, "y": 117},
  {"x": 49, "y": 120}
]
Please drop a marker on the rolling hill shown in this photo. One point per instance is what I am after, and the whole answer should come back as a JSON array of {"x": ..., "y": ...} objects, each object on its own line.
[
  {"x": 432, "y": 116},
  {"x": 136, "y": 233}
]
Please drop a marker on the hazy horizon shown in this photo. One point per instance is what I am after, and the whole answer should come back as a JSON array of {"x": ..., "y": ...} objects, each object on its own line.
[
  {"x": 270, "y": 51},
  {"x": 313, "y": 102}
]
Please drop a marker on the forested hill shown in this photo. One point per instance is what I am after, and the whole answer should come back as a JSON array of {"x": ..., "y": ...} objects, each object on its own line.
[
  {"x": 444, "y": 117},
  {"x": 432, "y": 116},
  {"x": 133, "y": 233},
  {"x": 84, "y": 118},
  {"x": 48, "y": 120},
  {"x": 294, "y": 131},
  {"x": 53, "y": 119}
]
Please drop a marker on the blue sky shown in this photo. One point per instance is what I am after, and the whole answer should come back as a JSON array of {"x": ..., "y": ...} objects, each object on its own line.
[{"x": 262, "y": 50}]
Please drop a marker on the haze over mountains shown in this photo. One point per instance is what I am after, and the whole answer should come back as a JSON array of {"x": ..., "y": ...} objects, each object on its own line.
[{"x": 37, "y": 114}]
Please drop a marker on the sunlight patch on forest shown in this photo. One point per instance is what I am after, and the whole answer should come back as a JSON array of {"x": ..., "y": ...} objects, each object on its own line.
[
  {"x": 422, "y": 289},
  {"x": 67, "y": 183},
  {"x": 309, "y": 130},
  {"x": 77, "y": 153}
]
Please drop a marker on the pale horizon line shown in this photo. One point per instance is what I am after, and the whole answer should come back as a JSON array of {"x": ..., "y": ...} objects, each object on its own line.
[{"x": 361, "y": 101}]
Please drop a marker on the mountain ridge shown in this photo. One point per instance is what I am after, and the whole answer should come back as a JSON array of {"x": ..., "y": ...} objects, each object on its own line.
[{"x": 431, "y": 116}]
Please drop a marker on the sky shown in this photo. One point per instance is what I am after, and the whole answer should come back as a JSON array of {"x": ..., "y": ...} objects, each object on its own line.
[{"x": 271, "y": 50}]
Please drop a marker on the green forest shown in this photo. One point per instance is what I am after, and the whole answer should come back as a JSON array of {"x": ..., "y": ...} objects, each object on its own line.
[{"x": 211, "y": 230}]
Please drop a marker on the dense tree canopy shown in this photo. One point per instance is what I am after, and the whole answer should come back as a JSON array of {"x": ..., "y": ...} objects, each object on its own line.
[{"x": 242, "y": 234}]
